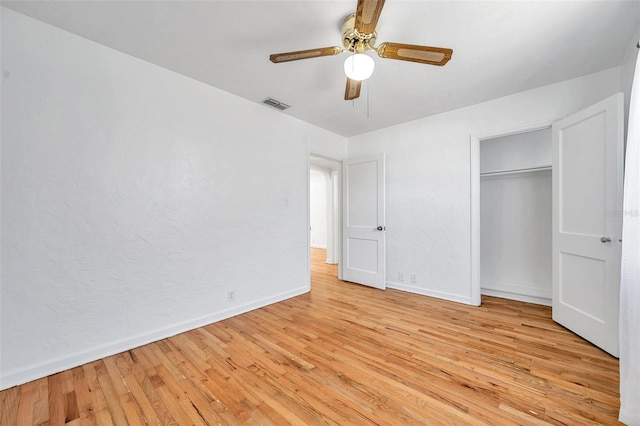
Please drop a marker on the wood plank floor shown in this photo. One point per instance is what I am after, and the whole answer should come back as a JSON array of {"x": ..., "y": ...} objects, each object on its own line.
[{"x": 342, "y": 354}]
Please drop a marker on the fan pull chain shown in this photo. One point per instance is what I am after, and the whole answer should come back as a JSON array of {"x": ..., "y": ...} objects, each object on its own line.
[{"x": 367, "y": 83}]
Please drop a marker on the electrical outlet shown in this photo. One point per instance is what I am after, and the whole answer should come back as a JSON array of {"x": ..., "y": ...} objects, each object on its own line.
[
  {"x": 401, "y": 277},
  {"x": 231, "y": 296},
  {"x": 413, "y": 279},
  {"x": 285, "y": 201}
]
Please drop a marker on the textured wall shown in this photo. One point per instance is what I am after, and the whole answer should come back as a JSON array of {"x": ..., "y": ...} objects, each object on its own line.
[{"x": 134, "y": 199}]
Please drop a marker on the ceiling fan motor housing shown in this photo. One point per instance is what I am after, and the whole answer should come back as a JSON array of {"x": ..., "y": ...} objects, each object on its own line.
[{"x": 354, "y": 41}]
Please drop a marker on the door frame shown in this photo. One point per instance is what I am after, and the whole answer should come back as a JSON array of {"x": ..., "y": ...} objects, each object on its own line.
[
  {"x": 474, "y": 146},
  {"x": 336, "y": 211}
]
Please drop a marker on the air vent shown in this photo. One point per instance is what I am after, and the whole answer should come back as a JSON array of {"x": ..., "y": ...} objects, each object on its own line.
[{"x": 276, "y": 104}]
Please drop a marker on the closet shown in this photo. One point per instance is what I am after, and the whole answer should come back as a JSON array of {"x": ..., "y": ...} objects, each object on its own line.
[{"x": 515, "y": 216}]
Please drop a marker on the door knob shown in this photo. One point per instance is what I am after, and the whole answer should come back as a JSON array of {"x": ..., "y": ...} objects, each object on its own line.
[
  {"x": 380, "y": 228},
  {"x": 605, "y": 239}
]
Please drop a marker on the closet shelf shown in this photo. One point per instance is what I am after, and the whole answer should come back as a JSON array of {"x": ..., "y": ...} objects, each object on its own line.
[{"x": 513, "y": 171}]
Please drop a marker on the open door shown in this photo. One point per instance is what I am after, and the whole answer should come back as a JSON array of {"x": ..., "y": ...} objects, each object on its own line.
[
  {"x": 363, "y": 247},
  {"x": 587, "y": 221}
]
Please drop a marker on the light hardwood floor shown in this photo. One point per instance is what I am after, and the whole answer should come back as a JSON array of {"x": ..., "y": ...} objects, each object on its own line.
[{"x": 342, "y": 354}]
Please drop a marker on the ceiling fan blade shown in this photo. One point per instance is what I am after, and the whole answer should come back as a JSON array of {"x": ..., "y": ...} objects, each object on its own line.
[
  {"x": 413, "y": 53},
  {"x": 276, "y": 58},
  {"x": 352, "y": 91},
  {"x": 367, "y": 15}
]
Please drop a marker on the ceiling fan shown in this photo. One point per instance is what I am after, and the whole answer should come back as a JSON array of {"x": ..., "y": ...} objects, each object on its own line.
[{"x": 359, "y": 35}]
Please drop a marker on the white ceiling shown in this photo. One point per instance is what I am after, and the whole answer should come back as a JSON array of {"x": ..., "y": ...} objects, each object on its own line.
[{"x": 499, "y": 48}]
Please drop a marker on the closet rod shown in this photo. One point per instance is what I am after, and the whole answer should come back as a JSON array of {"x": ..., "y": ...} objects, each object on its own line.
[{"x": 509, "y": 172}]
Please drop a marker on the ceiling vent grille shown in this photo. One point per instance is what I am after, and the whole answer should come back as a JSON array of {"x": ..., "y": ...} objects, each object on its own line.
[{"x": 275, "y": 104}]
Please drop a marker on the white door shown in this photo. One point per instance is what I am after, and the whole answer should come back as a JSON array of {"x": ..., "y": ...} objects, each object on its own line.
[
  {"x": 363, "y": 221},
  {"x": 587, "y": 222}
]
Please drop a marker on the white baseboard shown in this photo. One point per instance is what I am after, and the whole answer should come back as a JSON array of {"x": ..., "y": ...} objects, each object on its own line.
[
  {"x": 431, "y": 293},
  {"x": 33, "y": 372},
  {"x": 539, "y": 294},
  {"x": 320, "y": 246},
  {"x": 519, "y": 297}
]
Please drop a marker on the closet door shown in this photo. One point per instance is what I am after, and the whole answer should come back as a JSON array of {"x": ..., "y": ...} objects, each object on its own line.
[{"x": 587, "y": 221}]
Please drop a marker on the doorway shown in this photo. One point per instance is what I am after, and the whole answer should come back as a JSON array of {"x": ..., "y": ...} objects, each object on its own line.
[
  {"x": 325, "y": 211},
  {"x": 515, "y": 216},
  {"x": 513, "y": 169}
]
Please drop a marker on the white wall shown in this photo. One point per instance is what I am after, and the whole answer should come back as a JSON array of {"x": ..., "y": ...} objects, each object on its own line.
[
  {"x": 134, "y": 199},
  {"x": 515, "y": 236},
  {"x": 428, "y": 178},
  {"x": 517, "y": 151},
  {"x": 627, "y": 69},
  {"x": 318, "y": 205},
  {"x": 334, "y": 220}
]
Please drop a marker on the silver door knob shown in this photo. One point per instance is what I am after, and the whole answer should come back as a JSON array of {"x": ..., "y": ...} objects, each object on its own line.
[
  {"x": 380, "y": 228},
  {"x": 605, "y": 239}
]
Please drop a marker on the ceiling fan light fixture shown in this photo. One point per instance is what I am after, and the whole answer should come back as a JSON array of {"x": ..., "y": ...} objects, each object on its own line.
[
  {"x": 359, "y": 35},
  {"x": 359, "y": 66}
]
